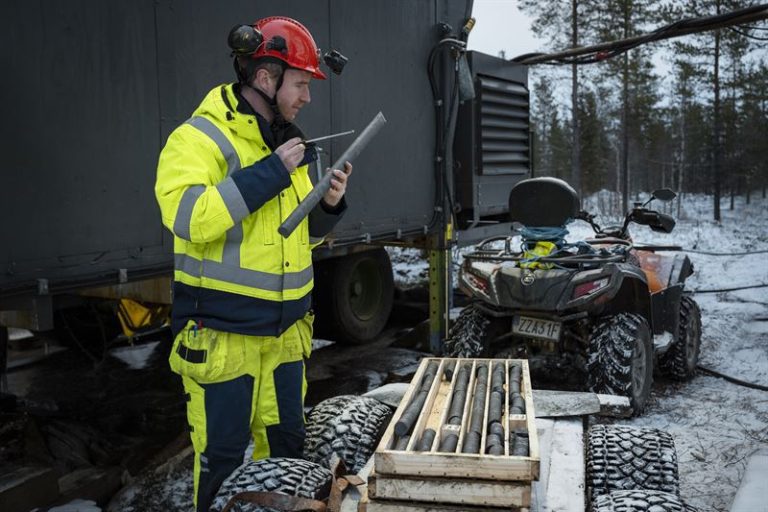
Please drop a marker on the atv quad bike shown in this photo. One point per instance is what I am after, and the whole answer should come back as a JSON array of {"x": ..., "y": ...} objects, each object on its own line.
[{"x": 603, "y": 306}]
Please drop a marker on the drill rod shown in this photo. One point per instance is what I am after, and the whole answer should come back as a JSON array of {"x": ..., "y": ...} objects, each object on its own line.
[{"x": 317, "y": 193}]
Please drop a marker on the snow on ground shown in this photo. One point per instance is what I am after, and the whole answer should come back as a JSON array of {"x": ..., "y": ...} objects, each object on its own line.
[{"x": 716, "y": 424}]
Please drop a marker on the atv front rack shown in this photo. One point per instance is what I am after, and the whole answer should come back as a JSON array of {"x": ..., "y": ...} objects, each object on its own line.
[{"x": 506, "y": 254}]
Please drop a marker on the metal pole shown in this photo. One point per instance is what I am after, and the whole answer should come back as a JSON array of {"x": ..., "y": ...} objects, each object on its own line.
[{"x": 3, "y": 359}]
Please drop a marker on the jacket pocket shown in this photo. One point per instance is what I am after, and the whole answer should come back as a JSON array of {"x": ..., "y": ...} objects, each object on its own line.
[
  {"x": 206, "y": 355},
  {"x": 268, "y": 218}
]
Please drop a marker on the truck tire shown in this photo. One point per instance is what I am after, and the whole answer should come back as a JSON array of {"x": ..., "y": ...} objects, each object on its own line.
[
  {"x": 295, "y": 477},
  {"x": 679, "y": 362},
  {"x": 348, "y": 426},
  {"x": 620, "y": 358},
  {"x": 467, "y": 336},
  {"x": 627, "y": 458},
  {"x": 354, "y": 295},
  {"x": 641, "y": 501}
]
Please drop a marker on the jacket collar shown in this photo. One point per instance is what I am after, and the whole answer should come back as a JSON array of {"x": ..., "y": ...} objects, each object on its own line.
[{"x": 221, "y": 104}]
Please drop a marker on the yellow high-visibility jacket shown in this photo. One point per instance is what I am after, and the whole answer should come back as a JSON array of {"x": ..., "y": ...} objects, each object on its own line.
[{"x": 223, "y": 194}]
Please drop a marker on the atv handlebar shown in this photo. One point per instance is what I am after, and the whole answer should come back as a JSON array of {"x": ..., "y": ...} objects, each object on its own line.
[
  {"x": 655, "y": 220},
  {"x": 651, "y": 218}
]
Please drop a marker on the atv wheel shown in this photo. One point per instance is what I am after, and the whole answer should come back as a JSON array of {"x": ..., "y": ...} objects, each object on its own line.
[
  {"x": 467, "y": 336},
  {"x": 680, "y": 361},
  {"x": 295, "y": 477},
  {"x": 641, "y": 501},
  {"x": 627, "y": 458},
  {"x": 349, "y": 426},
  {"x": 620, "y": 359}
]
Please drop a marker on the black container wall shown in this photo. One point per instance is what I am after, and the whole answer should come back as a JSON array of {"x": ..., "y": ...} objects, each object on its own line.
[
  {"x": 92, "y": 89},
  {"x": 80, "y": 141}
]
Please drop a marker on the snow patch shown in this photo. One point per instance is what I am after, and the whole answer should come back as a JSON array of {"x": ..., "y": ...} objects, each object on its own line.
[
  {"x": 135, "y": 356},
  {"x": 318, "y": 343}
]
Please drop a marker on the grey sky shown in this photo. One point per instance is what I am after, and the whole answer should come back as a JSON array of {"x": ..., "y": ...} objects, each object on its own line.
[{"x": 501, "y": 26}]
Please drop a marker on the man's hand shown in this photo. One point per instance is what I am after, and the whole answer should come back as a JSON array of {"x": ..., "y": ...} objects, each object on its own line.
[
  {"x": 291, "y": 153},
  {"x": 338, "y": 185}
]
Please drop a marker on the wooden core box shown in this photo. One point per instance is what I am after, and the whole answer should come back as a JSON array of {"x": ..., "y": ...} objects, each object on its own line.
[{"x": 463, "y": 435}]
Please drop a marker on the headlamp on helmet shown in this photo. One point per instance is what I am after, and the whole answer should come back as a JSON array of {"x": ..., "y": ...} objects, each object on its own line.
[{"x": 335, "y": 61}]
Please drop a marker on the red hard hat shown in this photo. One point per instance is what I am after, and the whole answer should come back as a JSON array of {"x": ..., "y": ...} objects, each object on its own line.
[{"x": 289, "y": 41}]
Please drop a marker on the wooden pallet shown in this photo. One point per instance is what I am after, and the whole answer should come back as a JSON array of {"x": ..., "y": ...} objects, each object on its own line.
[
  {"x": 437, "y": 478},
  {"x": 450, "y": 491},
  {"x": 404, "y": 506}
]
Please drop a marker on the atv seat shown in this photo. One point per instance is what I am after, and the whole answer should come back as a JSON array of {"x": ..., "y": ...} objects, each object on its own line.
[{"x": 543, "y": 202}]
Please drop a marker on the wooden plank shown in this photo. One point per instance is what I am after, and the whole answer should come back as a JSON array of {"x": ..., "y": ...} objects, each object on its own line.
[
  {"x": 505, "y": 417},
  {"x": 565, "y": 485},
  {"x": 436, "y": 416},
  {"x": 441, "y": 426},
  {"x": 450, "y": 491},
  {"x": 27, "y": 488},
  {"x": 552, "y": 403},
  {"x": 539, "y": 488},
  {"x": 750, "y": 497},
  {"x": 530, "y": 412},
  {"x": 460, "y": 465},
  {"x": 405, "y": 506}
]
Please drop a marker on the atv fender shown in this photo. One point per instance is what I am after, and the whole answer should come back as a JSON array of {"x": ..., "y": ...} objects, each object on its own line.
[
  {"x": 666, "y": 302},
  {"x": 666, "y": 310},
  {"x": 682, "y": 269},
  {"x": 632, "y": 294}
]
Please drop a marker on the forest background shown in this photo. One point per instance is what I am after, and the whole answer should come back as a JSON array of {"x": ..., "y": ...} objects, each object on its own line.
[{"x": 689, "y": 113}]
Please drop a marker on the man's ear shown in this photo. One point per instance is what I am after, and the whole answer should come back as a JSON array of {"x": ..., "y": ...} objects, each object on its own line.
[{"x": 263, "y": 80}]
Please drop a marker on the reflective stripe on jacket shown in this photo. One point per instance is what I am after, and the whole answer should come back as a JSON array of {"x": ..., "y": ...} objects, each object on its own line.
[{"x": 223, "y": 194}]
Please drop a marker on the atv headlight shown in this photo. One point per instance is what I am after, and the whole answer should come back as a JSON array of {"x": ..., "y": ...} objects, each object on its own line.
[{"x": 590, "y": 287}]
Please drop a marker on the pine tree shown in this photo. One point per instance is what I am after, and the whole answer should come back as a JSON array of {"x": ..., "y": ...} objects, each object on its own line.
[
  {"x": 594, "y": 142},
  {"x": 621, "y": 19},
  {"x": 717, "y": 57},
  {"x": 564, "y": 28}
]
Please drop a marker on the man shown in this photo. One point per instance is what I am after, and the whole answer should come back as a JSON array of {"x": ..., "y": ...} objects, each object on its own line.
[{"x": 226, "y": 179}]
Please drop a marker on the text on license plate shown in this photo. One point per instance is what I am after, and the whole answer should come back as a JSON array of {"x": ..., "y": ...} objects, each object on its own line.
[{"x": 536, "y": 327}]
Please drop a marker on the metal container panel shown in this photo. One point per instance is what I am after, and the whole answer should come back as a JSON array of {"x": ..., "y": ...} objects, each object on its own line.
[
  {"x": 491, "y": 147},
  {"x": 80, "y": 140},
  {"x": 94, "y": 89}
]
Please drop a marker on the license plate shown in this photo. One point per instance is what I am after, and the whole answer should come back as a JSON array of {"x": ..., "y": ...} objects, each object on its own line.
[{"x": 536, "y": 327}]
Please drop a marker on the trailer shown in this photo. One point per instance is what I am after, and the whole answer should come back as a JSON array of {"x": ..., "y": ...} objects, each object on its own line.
[{"x": 97, "y": 87}]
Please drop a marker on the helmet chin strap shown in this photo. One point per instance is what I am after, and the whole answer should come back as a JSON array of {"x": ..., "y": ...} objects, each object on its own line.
[
  {"x": 277, "y": 116},
  {"x": 279, "y": 123},
  {"x": 280, "y": 126}
]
